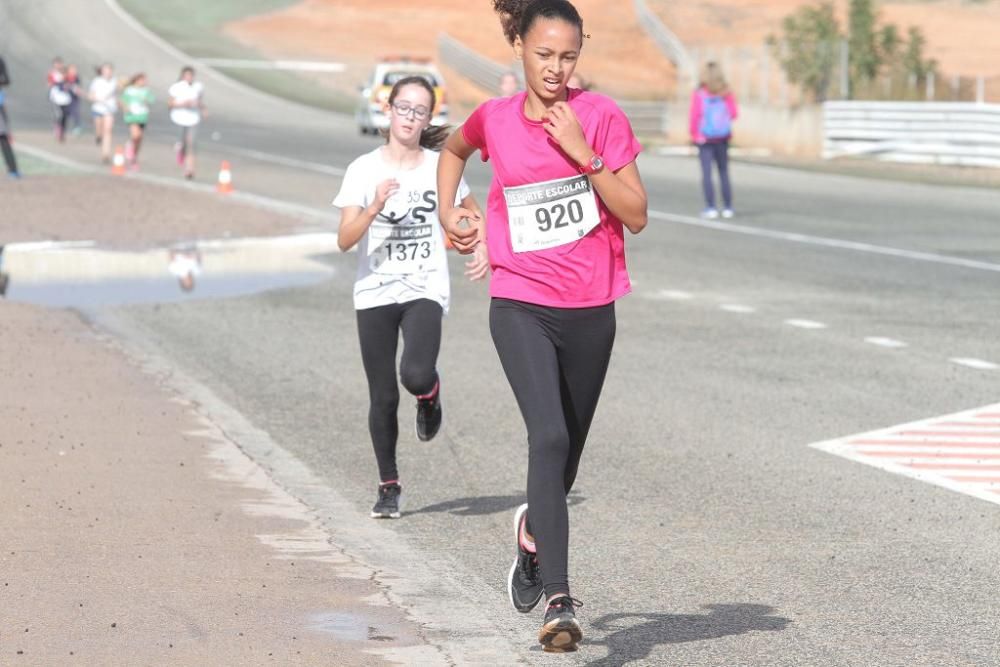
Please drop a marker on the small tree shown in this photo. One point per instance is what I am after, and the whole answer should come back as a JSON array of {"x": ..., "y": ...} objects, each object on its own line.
[
  {"x": 863, "y": 59},
  {"x": 913, "y": 61},
  {"x": 811, "y": 34},
  {"x": 889, "y": 44}
]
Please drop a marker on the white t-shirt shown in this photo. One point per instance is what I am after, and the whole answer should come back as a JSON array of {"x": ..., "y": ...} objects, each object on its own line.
[
  {"x": 184, "y": 264},
  {"x": 181, "y": 92},
  {"x": 402, "y": 256},
  {"x": 103, "y": 91}
]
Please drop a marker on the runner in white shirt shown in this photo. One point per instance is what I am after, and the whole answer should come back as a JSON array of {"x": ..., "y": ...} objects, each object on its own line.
[
  {"x": 186, "y": 109},
  {"x": 103, "y": 95},
  {"x": 389, "y": 209}
]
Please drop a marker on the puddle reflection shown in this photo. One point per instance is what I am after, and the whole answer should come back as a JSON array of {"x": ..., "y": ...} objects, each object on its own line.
[{"x": 90, "y": 277}]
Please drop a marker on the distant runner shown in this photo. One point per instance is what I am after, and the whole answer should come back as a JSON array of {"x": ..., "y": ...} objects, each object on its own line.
[
  {"x": 565, "y": 184},
  {"x": 5, "y": 148},
  {"x": 103, "y": 94},
  {"x": 60, "y": 94},
  {"x": 186, "y": 107},
  {"x": 136, "y": 100},
  {"x": 74, "y": 86},
  {"x": 389, "y": 209}
]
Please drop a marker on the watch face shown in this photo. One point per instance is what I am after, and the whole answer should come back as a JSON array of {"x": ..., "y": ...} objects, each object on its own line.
[{"x": 596, "y": 163}]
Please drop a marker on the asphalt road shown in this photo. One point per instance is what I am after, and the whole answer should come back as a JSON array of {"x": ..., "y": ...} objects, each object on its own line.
[{"x": 705, "y": 531}]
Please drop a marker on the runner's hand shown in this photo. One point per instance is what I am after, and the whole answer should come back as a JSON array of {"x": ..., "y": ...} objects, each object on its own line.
[
  {"x": 461, "y": 226},
  {"x": 383, "y": 192},
  {"x": 479, "y": 266},
  {"x": 562, "y": 125}
]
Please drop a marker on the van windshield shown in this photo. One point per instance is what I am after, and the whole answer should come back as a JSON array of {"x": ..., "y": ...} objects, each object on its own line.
[{"x": 392, "y": 77}]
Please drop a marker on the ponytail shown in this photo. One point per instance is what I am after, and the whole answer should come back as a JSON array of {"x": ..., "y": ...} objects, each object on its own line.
[{"x": 434, "y": 136}]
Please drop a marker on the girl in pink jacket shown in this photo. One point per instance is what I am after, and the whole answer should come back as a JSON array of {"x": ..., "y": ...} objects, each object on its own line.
[{"x": 713, "y": 110}]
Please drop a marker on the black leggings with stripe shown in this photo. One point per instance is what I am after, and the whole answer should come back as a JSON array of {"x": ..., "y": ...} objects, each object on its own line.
[
  {"x": 555, "y": 360},
  {"x": 378, "y": 330}
]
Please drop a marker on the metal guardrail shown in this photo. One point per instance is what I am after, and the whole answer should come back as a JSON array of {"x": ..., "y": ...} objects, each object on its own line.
[
  {"x": 648, "y": 118},
  {"x": 947, "y": 133},
  {"x": 475, "y": 67},
  {"x": 669, "y": 43}
]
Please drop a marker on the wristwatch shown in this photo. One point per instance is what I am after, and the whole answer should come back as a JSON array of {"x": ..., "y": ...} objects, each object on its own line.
[{"x": 594, "y": 165}]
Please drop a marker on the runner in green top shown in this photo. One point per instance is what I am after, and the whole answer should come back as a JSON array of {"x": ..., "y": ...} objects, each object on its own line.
[{"x": 136, "y": 100}]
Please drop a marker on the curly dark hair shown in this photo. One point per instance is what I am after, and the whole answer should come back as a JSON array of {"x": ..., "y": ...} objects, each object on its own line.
[{"x": 517, "y": 16}]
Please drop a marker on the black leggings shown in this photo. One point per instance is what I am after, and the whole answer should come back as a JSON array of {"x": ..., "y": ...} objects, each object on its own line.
[
  {"x": 555, "y": 360},
  {"x": 717, "y": 152},
  {"x": 378, "y": 330},
  {"x": 8, "y": 154}
]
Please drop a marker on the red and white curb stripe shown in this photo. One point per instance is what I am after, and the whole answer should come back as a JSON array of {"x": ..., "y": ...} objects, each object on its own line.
[{"x": 959, "y": 451}]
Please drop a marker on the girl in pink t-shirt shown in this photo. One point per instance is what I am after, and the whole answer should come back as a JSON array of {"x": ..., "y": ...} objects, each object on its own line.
[
  {"x": 712, "y": 112},
  {"x": 565, "y": 185}
]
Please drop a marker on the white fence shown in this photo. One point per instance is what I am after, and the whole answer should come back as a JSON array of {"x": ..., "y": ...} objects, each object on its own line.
[
  {"x": 949, "y": 133},
  {"x": 648, "y": 118}
]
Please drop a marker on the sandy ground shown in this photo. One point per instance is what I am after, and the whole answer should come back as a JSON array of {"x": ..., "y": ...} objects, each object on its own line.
[
  {"x": 618, "y": 58},
  {"x": 133, "y": 531},
  {"x": 124, "y": 212}
]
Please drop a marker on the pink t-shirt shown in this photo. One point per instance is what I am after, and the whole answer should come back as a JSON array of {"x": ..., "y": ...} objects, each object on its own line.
[
  {"x": 697, "y": 110},
  {"x": 584, "y": 273}
]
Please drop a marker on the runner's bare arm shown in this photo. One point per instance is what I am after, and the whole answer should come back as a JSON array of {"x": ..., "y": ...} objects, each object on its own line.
[
  {"x": 478, "y": 267},
  {"x": 624, "y": 195},
  {"x": 451, "y": 166},
  {"x": 355, "y": 220},
  {"x": 622, "y": 190}
]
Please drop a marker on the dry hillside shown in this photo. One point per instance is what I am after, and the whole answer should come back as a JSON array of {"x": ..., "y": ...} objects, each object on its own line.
[{"x": 618, "y": 58}]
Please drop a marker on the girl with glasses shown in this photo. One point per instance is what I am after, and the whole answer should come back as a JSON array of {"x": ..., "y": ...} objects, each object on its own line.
[{"x": 389, "y": 209}]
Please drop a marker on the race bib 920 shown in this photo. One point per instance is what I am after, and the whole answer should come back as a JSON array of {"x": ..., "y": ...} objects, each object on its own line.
[{"x": 550, "y": 214}]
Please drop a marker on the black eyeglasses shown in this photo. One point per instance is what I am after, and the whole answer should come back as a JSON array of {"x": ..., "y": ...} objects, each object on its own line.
[{"x": 403, "y": 110}]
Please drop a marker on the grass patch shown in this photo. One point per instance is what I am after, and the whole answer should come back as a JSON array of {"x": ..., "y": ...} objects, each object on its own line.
[
  {"x": 195, "y": 27},
  {"x": 30, "y": 165}
]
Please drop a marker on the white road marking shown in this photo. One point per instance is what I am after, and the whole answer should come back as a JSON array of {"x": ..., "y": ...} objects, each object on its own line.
[
  {"x": 737, "y": 308},
  {"x": 916, "y": 451},
  {"x": 329, "y": 216},
  {"x": 285, "y": 161},
  {"x": 956, "y": 462},
  {"x": 805, "y": 324},
  {"x": 890, "y": 343},
  {"x": 668, "y": 295},
  {"x": 826, "y": 242},
  {"x": 46, "y": 246},
  {"x": 978, "y": 364},
  {"x": 290, "y": 65}
]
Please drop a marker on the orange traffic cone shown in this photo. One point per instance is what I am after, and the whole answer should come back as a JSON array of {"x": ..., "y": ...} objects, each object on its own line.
[
  {"x": 225, "y": 184},
  {"x": 118, "y": 163}
]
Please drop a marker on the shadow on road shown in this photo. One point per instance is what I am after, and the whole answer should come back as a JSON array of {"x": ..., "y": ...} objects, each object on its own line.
[
  {"x": 633, "y": 636},
  {"x": 483, "y": 505}
]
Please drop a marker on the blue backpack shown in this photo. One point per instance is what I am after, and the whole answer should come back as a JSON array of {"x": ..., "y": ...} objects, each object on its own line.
[{"x": 716, "y": 123}]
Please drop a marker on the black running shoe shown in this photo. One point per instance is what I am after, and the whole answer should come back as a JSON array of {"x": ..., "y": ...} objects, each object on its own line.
[
  {"x": 524, "y": 582},
  {"x": 561, "y": 632},
  {"x": 429, "y": 416},
  {"x": 390, "y": 500}
]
